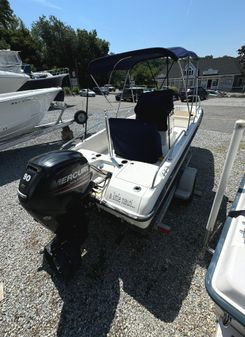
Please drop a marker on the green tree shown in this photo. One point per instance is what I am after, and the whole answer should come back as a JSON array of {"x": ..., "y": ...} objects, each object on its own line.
[
  {"x": 145, "y": 72},
  {"x": 62, "y": 46},
  {"x": 7, "y": 20},
  {"x": 6, "y": 15},
  {"x": 89, "y": 47},
  {"x": 50, "y": 43},
  {"x": 19, "y": 38},
  {"x": 241, "y": 53},
  {"x": 56, "y": 42},
  {"x": 14, "y": 35}
]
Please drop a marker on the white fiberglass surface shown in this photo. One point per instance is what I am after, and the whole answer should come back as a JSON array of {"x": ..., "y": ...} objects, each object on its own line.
[
  {"x": 134, "y": 187},
  {"x": 138, "y": 173},
  {"x": 229, "y": 275},
  {"x": 10, "y": 82},
  {"x": 21, "y": 113},
  {"x": 9, "y": 74},
  {"x": 27, "y": 93},
  {"x": 96, "y": 143}
]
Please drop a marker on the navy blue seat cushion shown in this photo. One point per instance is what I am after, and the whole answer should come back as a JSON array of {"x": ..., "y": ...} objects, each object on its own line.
[
  {"x": 135, "y": 140},
  {"x": 154, "y": 107}
]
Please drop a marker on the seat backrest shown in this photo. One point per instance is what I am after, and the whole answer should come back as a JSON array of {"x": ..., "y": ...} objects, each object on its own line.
[
  {"x": 154, "y": 107},
  {"x": 135, "y": 140}
]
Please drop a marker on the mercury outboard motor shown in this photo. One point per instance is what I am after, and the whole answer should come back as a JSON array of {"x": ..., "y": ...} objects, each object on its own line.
[{"x": 53, "y": 190}]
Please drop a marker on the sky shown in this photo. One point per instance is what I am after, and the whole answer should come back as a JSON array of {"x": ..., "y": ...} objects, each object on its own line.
[{"x": 207, "y": 27}]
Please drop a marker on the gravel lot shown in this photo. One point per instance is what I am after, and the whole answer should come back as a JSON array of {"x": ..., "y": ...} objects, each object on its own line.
[{"x": 128, "y": 285}]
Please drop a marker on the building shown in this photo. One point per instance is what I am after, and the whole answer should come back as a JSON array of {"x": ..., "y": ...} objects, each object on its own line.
[{"x": 222, "y": 73}]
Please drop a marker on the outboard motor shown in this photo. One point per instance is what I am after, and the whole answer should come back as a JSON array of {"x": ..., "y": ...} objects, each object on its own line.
[{"x": 53, "y": 190}]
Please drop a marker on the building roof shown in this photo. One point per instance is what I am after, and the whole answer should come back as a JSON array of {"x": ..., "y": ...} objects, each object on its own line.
[{"x": 210, "y": 66}]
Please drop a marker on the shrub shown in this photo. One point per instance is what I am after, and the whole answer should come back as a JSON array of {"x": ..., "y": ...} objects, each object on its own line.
[
  {"x": 67, "y": 90},
  {"x": 75, "y": 90},
  {"x": 174, "y": 88}
]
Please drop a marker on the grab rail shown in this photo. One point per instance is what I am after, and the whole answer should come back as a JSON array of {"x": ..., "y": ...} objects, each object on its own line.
[
  {"x": 198, "y": 100},
  {"x": 171, "y": 151},
  {"x": 167, "y": 158},
  {"x": 236, "y": 138}
]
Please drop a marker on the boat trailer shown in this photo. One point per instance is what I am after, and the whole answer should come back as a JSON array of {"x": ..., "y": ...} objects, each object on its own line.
[{"x": 42, "y": 129}]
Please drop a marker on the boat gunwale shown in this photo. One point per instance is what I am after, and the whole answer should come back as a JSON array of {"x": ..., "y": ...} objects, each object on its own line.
[
  {"x": 150, "y": 216},
  {"x": 220, "y": 301},
  {"x": 27, "y": 93}
]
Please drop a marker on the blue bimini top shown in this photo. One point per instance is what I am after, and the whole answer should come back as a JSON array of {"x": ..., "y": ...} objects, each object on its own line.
[{"x": 125, "y": 61}]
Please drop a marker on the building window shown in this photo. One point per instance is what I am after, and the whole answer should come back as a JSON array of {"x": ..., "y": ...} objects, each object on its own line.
[
  {"x": 189, "y": 71},
  {"x": 203, "y": 83},
  {"x": 215, "y": 83},
  {"x": 241, "y": 82}
]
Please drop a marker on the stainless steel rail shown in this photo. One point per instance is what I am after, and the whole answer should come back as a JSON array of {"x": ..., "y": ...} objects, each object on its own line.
[{"x": 166, "y": 158}]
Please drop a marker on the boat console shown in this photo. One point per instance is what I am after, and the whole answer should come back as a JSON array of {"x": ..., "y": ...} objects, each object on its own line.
[{"x": 135, "y": 140}]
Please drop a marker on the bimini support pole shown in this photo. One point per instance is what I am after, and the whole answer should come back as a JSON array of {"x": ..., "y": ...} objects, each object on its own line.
[
  {"x": 97, "y": 85},
  {"x": 230, "y": 158},
  {"x": 110, "y": 147},
  {"x": 124, "y": 85},
  {"x": 108, "y": 134},
  {"x": 168, "y": 71},
  {"x": 197, "y": 98},
  {"x": 185, "y": 87},
  {"x": 86, "y": 124}
]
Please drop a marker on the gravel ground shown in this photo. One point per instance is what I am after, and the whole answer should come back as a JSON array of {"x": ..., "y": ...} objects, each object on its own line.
[{"x": 128, "y": 284}]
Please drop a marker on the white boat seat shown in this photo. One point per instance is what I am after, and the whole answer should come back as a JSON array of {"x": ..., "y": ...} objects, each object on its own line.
[
  {"x": 154, "y": 107},
  {"x": 135, "y": 140}
]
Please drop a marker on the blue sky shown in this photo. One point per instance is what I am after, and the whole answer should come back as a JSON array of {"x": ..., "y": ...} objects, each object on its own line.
[{"x": 208, "y": 27}]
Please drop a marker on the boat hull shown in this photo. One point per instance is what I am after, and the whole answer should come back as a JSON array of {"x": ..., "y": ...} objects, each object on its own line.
[
  {"x": 10, "y": 81},
  {"x": 225, "y": 276},
  {"x": 48, "y": 82},
  {"x": 138, "y": 191},
  {"x": 20, "y": 112}
]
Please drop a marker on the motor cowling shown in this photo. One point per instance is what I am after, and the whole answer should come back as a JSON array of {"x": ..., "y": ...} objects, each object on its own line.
[
  {"x": 53, "y": 190},
  {"x": 53, "y": 187}
]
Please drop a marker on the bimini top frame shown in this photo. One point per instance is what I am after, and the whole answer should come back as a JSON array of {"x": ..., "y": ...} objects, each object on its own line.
[{"x": 127, "y": 60}]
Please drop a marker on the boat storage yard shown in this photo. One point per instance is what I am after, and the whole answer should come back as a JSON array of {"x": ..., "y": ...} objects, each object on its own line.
[{"x": 129, "y": 284}]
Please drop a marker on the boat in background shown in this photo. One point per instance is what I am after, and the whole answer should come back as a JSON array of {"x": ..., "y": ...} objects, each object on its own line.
[
  {"x": 45, "y": 79},
  {"x": 12, "y": 76},
  {"x": 10, "y": 61},
  {"x": 225, "y": 278},
  {"x": 21, "y": 111}
]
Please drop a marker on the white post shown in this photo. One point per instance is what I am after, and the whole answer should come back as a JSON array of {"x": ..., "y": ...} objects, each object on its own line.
[
  {"x": 185, "y": 87},
  {"x": 124, "y": 85},
  {"x": 97, "y": 85},
  {"x": 230, "y": 158},
  {"x": 108, "y": 134}
]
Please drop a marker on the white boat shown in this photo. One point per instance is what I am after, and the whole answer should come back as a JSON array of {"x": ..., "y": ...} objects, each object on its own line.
[
  {"x": 11, "y": 81},
  {"x": 21, "y": 112},
  {"x": 45, "y": 79},
  {"x": 12, "y": 76},
  {"x": 226, "y": 273},
  {"x": 11, "y": 66},
  {"x": 131, "y": 169},
  {"x": 10, "y": 61}
]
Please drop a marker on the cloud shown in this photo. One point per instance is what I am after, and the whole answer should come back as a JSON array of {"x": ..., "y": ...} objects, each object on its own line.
[{"x": 47, "y": 3}]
